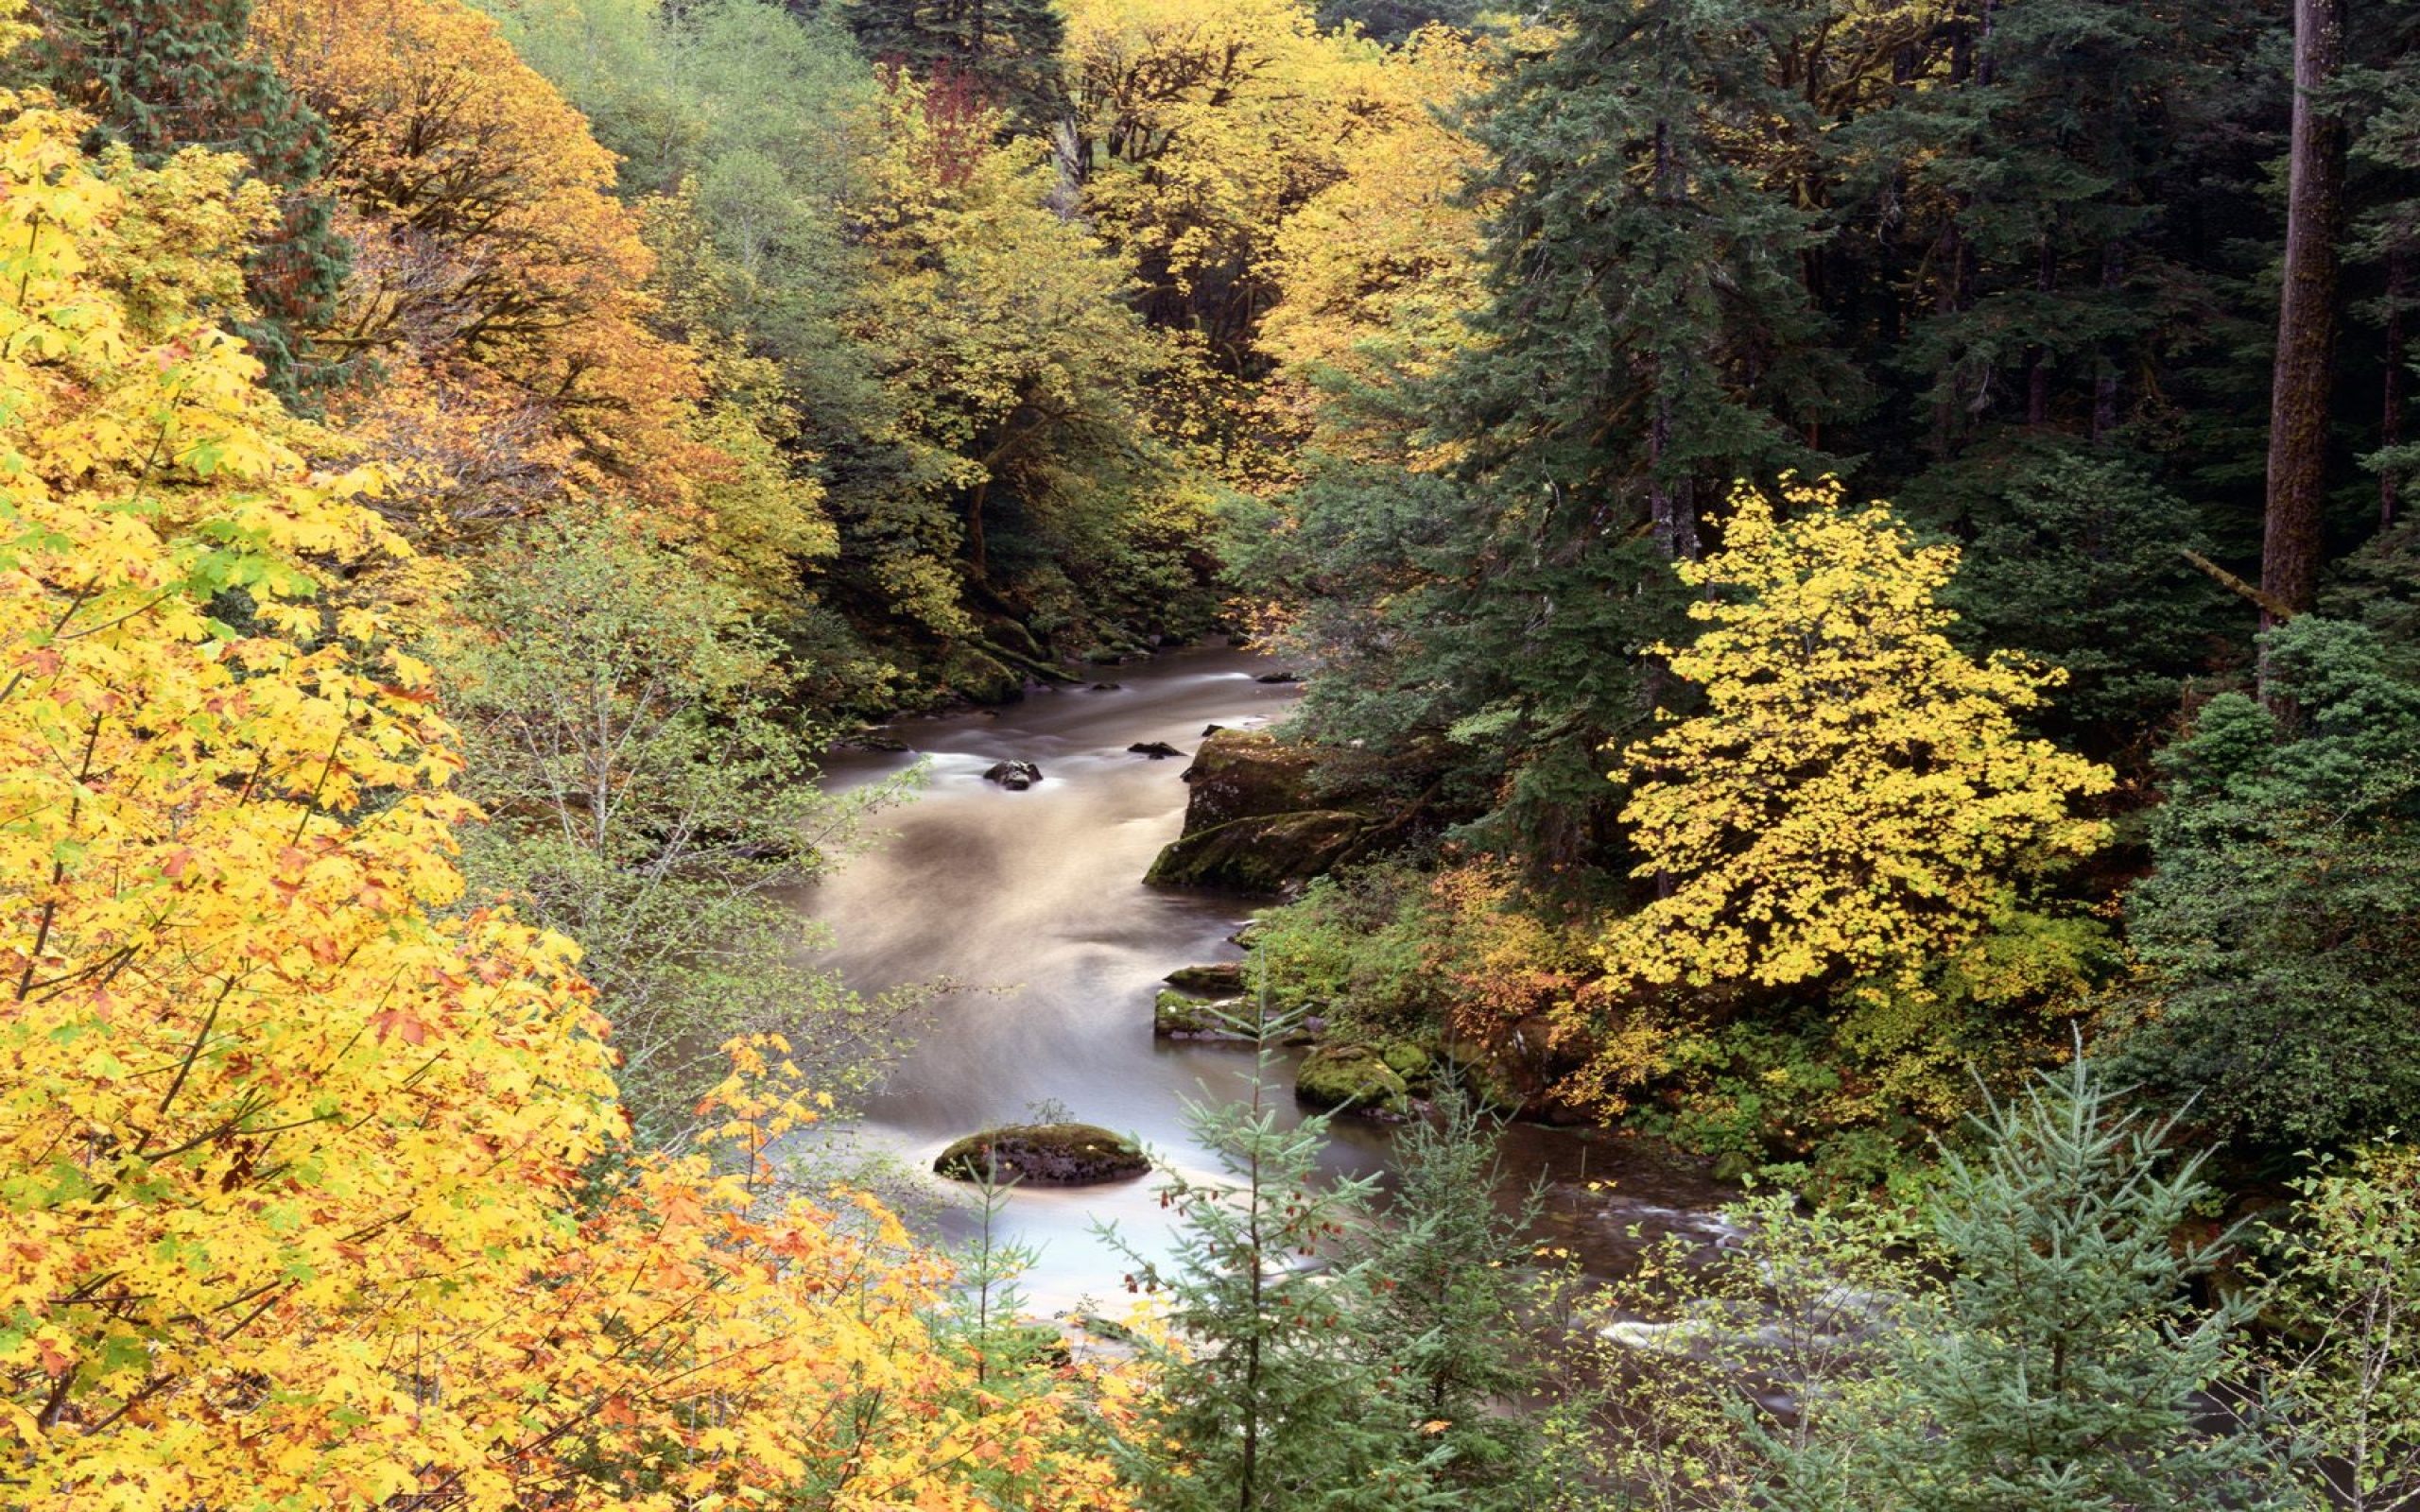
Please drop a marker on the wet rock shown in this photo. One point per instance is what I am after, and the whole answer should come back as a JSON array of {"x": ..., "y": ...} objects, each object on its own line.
[
  {"x": 977, "y": 677},
  {"x": 1240, "y": 774},
  {"x": 1109, "y": 687},
  {"x": 1354, "y": 1078},
  {"x": 1259, "y": 855},
  {"x": 1180, "y": 1016},
  {"x": 1015, "y": 776},
  {"x": 1277, "y": 676},
  {"x": 1208, "y": 731},
  {"x": 1221, "y": 978},
  {"x": 1051, "y": 1155},
  {"x": 1159, "y": 750}
]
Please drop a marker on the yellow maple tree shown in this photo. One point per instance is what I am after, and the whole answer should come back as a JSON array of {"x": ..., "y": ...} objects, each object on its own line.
[
  {"x": 1856, "y": 797},
  {"x": 313, "y": 1190}
]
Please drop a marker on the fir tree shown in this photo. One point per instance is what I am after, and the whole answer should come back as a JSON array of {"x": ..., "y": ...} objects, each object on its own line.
[
  {"x": 1266, "y": 1405},
  {"x": 1442, "y": 1303},
  {"x": 1648, "y": 338},
  {"x": 2067, "y": 1369}
]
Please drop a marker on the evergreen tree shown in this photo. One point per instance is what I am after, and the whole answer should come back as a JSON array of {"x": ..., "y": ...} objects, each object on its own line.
[
  {"x": 2278, "y": 920},
  {"x": 1004, "y": 53},
  {"x": 2065, "y": 1368},
  {"x": 164, "y": 75},
  {"x": 1648, "y": 338},
  {"x": 1266, "y": 1405},
  {"x": 1441, "y": 1308}
]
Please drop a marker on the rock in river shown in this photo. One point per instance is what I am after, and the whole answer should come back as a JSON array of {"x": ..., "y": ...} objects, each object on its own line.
[
  {"x": 1015, "y": 776},
  {"x": 1159, "y": 750},
  {"x": 1260, "y": 854},
  {"x": 1352, "y": 1076},
  {"x": 1220, "y": 979},
  {"x": 1046, "y": 1155}
]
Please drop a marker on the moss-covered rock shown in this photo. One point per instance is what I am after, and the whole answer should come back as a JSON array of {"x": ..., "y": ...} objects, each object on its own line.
[
  {"x": 1243, "y": 774},
  {"x": 1181, "y": 1015},
  {"x": 1049, "y": 1155},
  {"x": 1352, "y": 1076},
  {"x": 1218, "y": 979},
  {"x": 1410, "y": 1060},
  {"x": 1260, "y": 854},
  {"x": 978, "y": 679}
]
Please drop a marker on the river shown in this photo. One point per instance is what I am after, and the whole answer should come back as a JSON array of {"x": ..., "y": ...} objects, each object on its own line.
[{"x": 1033, "y": 901}]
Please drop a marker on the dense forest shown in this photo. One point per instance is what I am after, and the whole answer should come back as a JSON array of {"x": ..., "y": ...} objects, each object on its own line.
[{"x": 1853, "y": 576}]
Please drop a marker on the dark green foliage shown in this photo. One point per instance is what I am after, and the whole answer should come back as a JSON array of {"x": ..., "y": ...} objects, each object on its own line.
[
  {"x": 1441, "y": 1309},
  {"x": 2280, "y": 918},
  {"x": 997, "y": 53},
  {"x": 165, "y": 74},
  {"x": 2075, "y": 556},
  {"x": 2064, "y": 1368},
  {"x": 1271, "y": 1406}
]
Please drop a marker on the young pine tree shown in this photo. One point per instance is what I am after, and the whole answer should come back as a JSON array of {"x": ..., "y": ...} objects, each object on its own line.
[
  {"x": 2066, "y": 1368},
  {"x": 1438, "y": 1315},
  {"x": 1266, "y": 1403}
]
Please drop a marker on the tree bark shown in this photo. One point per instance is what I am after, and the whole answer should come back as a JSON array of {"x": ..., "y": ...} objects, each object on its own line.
[
  {"x": 2301, "y": 383},
  {"x": 2398, "y": 357}
]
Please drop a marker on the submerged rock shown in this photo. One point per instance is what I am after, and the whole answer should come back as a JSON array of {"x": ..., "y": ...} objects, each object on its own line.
[
  {"x": 1159, "y": 750},
  {"x": 1049, "y": 1155},
  {"x": 1277, "y": 676},
  {"x": 1015, "y": 776}
]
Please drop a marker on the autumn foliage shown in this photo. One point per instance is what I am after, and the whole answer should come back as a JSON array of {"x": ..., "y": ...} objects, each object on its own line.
[
  {"x": 495, "y": 280},
  {"x": 315, "y": 1190},
  {"x": 1857, "y": 797}
]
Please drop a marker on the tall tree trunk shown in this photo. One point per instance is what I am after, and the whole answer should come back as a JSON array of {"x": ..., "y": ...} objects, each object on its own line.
[
  {"x": 2105, "y": 378},
  {"x": 2037, "y": 374},
  {"x": 2398, "y": 359},
  {"x": 2300, "y": 388}
]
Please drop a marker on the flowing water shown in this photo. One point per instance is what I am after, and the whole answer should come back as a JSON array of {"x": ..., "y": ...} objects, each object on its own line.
[{"x": 1034, "y": 903}]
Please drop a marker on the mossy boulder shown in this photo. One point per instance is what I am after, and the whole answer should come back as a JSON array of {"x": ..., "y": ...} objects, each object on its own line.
[
  {"x": 1181, "y": 1016},
  {"x": 1354, "y": 1078},
  {"x": 1262, "y": 854},
  {"x": 1410, "y": 1060},
  {"x": 1218, "y": 979},
  {"x": 978, "y": 678},
  {"x": 1047, "y": 1155},
  {"x": 1244, "y": 774}
]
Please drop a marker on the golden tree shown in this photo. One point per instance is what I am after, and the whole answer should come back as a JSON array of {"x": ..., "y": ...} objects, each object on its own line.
[{"x": 1856, "y": 797}]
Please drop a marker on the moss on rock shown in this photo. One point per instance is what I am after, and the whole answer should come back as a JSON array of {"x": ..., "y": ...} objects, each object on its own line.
[
  {"x": 1259, "y": 855},
  {"x": 1352, "y": 1076},
  {"x": 1049, "y": 1155}
]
